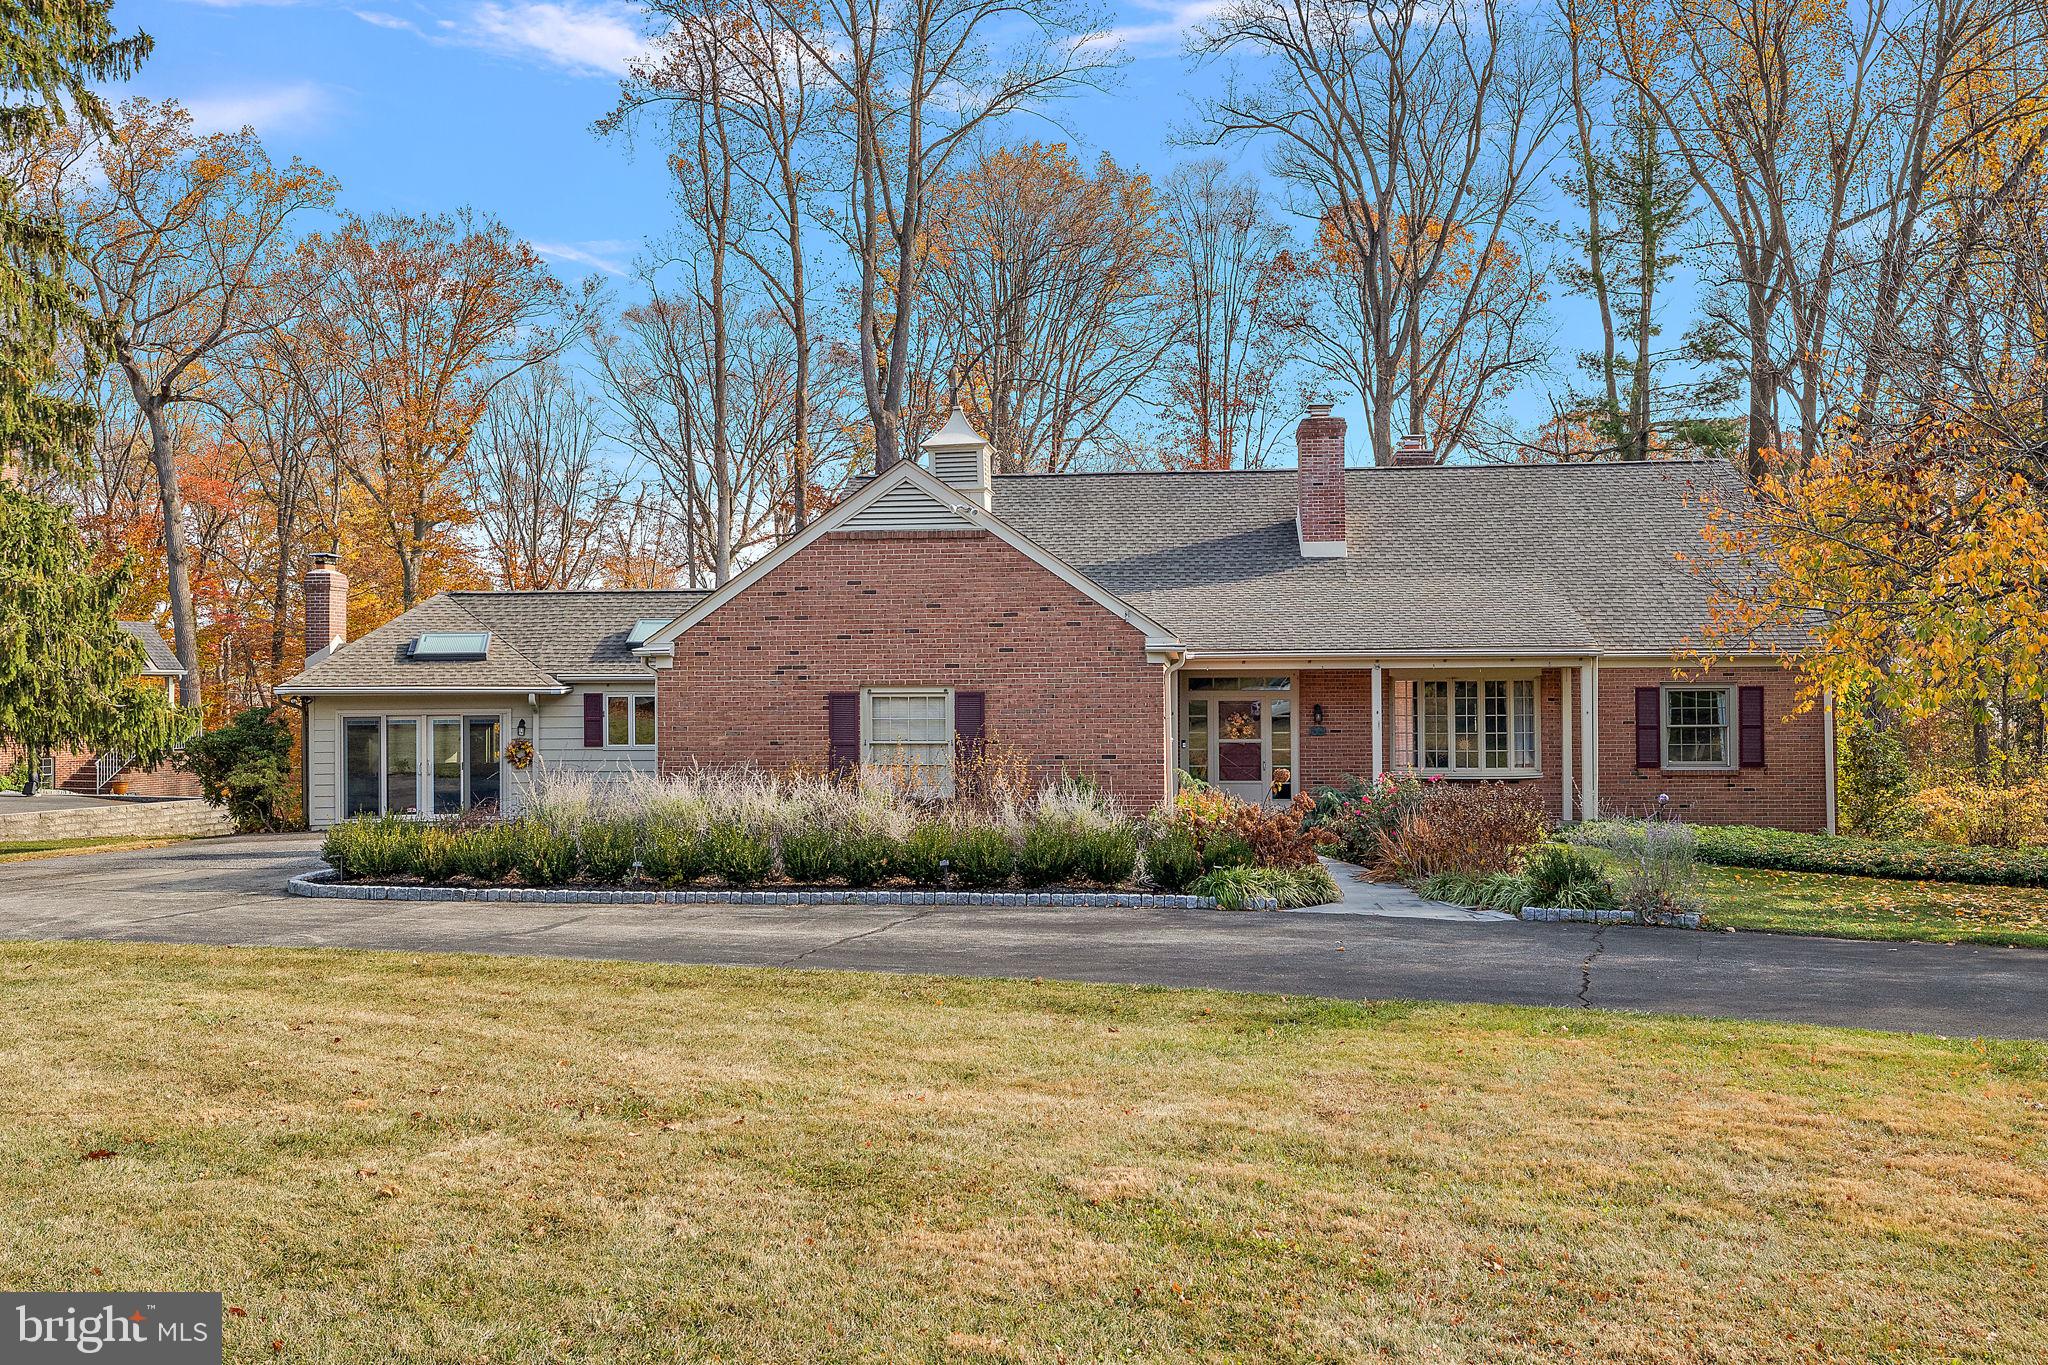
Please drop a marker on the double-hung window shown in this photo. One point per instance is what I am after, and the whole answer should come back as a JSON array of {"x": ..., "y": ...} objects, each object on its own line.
[
  {"x": 628, "y": 721},
  {"x": 1699, "y": 727},
  {"x": 910, "y": 730},
  {"x": 1475, "y": 727}
]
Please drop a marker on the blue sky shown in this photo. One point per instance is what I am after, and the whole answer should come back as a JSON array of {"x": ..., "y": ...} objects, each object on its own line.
[
  {"x": 426, "y": 105},
  {"x": 422, "y": 105}
]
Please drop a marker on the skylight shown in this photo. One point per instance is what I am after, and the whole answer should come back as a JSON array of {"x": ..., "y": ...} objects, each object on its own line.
[
  {"x": 645, "y": 627},
  {"x": 451, "y": 644}
]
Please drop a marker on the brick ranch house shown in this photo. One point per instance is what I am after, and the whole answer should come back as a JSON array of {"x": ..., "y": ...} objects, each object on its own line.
[
  {"x": 87, "y": 773},
  {"x": 1270, "y": 631}
]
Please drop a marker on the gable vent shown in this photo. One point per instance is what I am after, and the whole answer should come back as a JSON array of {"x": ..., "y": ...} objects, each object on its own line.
[{"x": 906, "y": 507}]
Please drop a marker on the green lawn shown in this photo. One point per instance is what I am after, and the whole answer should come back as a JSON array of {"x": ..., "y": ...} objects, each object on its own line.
[
  {"x": 433, "y": 1158},
  {"x": 1870, "y": 907}
]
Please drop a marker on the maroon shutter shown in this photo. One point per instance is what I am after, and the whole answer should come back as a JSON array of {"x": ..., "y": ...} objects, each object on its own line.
[
  {"x": 970, "y": 721},
  {"x": 1751, "y": 712},
  {"x": 842, "y": 720},
  {"x": 1649, "y": 724},
  {"x": 593, "y": 720}
]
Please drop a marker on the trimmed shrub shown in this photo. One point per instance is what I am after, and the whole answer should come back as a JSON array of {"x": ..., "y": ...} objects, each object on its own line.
[
  {"x": 484, "y": 852},
  {"x": 924, "y": 856},
  {"x": 1109, "y": 857},
  {"x": 546, "y": 854},
  {"x": 373, "y": 847},
  {"x": 1897, "y": 859},
  {"x": 866, "y": 859},
  {"x": 671, "y": 854},
  {"x": 1561, "y": 876},
  {"x": 736, "y": 855},
  {"x": 982, "y": 858},
  {"x": 1172, "y": 862},
  {"x": 810, "y": 855},
  {"x": 1052, "y": 853},
  {"x": 436, "y": 851},
  {"x": 609, "y": 849}
]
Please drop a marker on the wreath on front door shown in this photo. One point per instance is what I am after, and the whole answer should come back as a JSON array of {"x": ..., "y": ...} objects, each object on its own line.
[{"x": 519, "y": 753}]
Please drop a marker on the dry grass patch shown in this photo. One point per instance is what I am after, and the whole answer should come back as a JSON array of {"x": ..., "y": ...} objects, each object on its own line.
[{"x": 382, "y": 1156}]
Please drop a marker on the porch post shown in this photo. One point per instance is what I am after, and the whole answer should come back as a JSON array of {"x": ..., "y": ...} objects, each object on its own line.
[
  {"x": 1564, "y": 755},
  {"x": 1589, "y": 741},
  {"x": 1379, "y": 748}
]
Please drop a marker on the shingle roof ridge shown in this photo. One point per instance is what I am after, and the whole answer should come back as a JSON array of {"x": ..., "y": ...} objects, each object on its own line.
[
  {"x": 1375, "y": 469},
  {"x": 568, "y": 592}
]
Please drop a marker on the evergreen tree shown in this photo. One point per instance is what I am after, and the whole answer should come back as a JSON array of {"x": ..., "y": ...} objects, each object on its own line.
[
  {"x": 1638, "y": 201},
  {"x": 52, "y": 52},
  {"x": 67, "y": 669}
]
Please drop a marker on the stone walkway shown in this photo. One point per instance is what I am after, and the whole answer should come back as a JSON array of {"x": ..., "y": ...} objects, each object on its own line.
[{"x": 1392, "y": 900}]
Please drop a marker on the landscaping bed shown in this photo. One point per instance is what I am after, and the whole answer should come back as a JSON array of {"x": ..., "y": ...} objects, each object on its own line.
[{"x": 733, "y": 836}]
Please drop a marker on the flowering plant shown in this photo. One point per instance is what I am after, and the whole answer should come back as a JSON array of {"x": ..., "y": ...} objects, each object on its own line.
[{"x": 1356, "y": 813}]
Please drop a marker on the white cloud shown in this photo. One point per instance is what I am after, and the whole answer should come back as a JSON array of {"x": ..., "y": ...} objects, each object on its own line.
[
  {"x": 275, "y": 109},
  {"x": 609, "y": 255},
  {"x": 595, "y": 38},
  {"x": 1162, "y": 24},
  {"x": 383, "y": 20}
]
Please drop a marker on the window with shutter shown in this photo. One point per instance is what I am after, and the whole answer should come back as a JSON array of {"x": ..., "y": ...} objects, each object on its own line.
[
  {"x": 842, "y": 723},
  {"x": 593, "y": 720}
]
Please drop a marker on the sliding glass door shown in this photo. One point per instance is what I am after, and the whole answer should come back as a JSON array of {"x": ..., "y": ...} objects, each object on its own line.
[{"x": 411, "y": 765}]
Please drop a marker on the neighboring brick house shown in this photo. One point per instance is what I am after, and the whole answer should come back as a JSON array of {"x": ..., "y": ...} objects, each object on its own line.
[
  {"x": 109, "y": 773},
  {"x": 1270, "y": 631}
]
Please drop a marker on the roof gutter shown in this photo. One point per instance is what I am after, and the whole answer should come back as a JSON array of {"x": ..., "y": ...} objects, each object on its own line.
[{"x": 407, "y": 690}]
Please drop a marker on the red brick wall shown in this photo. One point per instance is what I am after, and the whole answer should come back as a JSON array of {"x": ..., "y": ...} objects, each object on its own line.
[
  {"x": 1789, "y": 791},
  {"x": 1067, "y": 681},
  {"x": 77, "y": 772},
  {"x": 1319, "y": 457}
]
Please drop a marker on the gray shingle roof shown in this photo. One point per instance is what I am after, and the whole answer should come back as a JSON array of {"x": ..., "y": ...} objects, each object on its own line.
[
  {"x": 162, "y": 659},
  {"x": 1510, "y": 558},
  {"x": 537, "y": 640}
]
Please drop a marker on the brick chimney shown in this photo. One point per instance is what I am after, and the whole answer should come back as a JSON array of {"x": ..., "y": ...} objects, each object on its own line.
[
  {"x": 326, "y": 606},
  {"x": 1319, "y": 456},
  {"x": 1414, "y": 452}
]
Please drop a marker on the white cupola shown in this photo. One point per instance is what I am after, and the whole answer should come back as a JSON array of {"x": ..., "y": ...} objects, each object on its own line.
[{"x": 958, "y": 456}]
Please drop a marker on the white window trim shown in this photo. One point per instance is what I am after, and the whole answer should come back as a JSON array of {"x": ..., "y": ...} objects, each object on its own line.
[
  {"x": 867, "y": 725},
  {"x": 630, "y": 744},
  {"x": 1731, "y": 737},
  {"x": 1456, "y": 774}
]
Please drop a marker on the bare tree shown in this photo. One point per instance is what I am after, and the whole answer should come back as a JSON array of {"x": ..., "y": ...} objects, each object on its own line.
[
  {"x": 914, "y": 83},
  {"x": 729, "y": 482},
  {"x": 176, "y": 238},
  {"x": 1228, "y": 361},
  {"x": 731, "y": 68},
  {"x": 1047, "y": 287},
  {"x": 542, "y": 493},
  {"x": 1416, "y": 137}
]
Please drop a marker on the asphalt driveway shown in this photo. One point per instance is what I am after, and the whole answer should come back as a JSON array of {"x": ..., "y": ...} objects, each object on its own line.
[{"x": 231, "y": 892}]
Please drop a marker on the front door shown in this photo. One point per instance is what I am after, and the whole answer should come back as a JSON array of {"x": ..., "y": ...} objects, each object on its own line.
[
  {"x": 1239, "y": 735},
  {"x": 1241, "y": 747}
]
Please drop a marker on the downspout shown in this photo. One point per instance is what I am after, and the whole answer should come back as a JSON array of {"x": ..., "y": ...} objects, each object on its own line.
[
  {"x": 303, "y": 705},
  {"x": 1175, "y": 661}
]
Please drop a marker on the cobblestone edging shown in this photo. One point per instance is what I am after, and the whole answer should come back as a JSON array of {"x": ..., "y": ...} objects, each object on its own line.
[
  {"x": 322, "y": 883},
  {"x": 1550, "y": 914}
]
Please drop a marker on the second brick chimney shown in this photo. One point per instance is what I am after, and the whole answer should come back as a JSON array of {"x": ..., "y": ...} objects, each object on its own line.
[
  {"x": 1414, "y": 452},
  {"x": 326, "y": 606},
  {"x": 1319, "y": 457}
]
